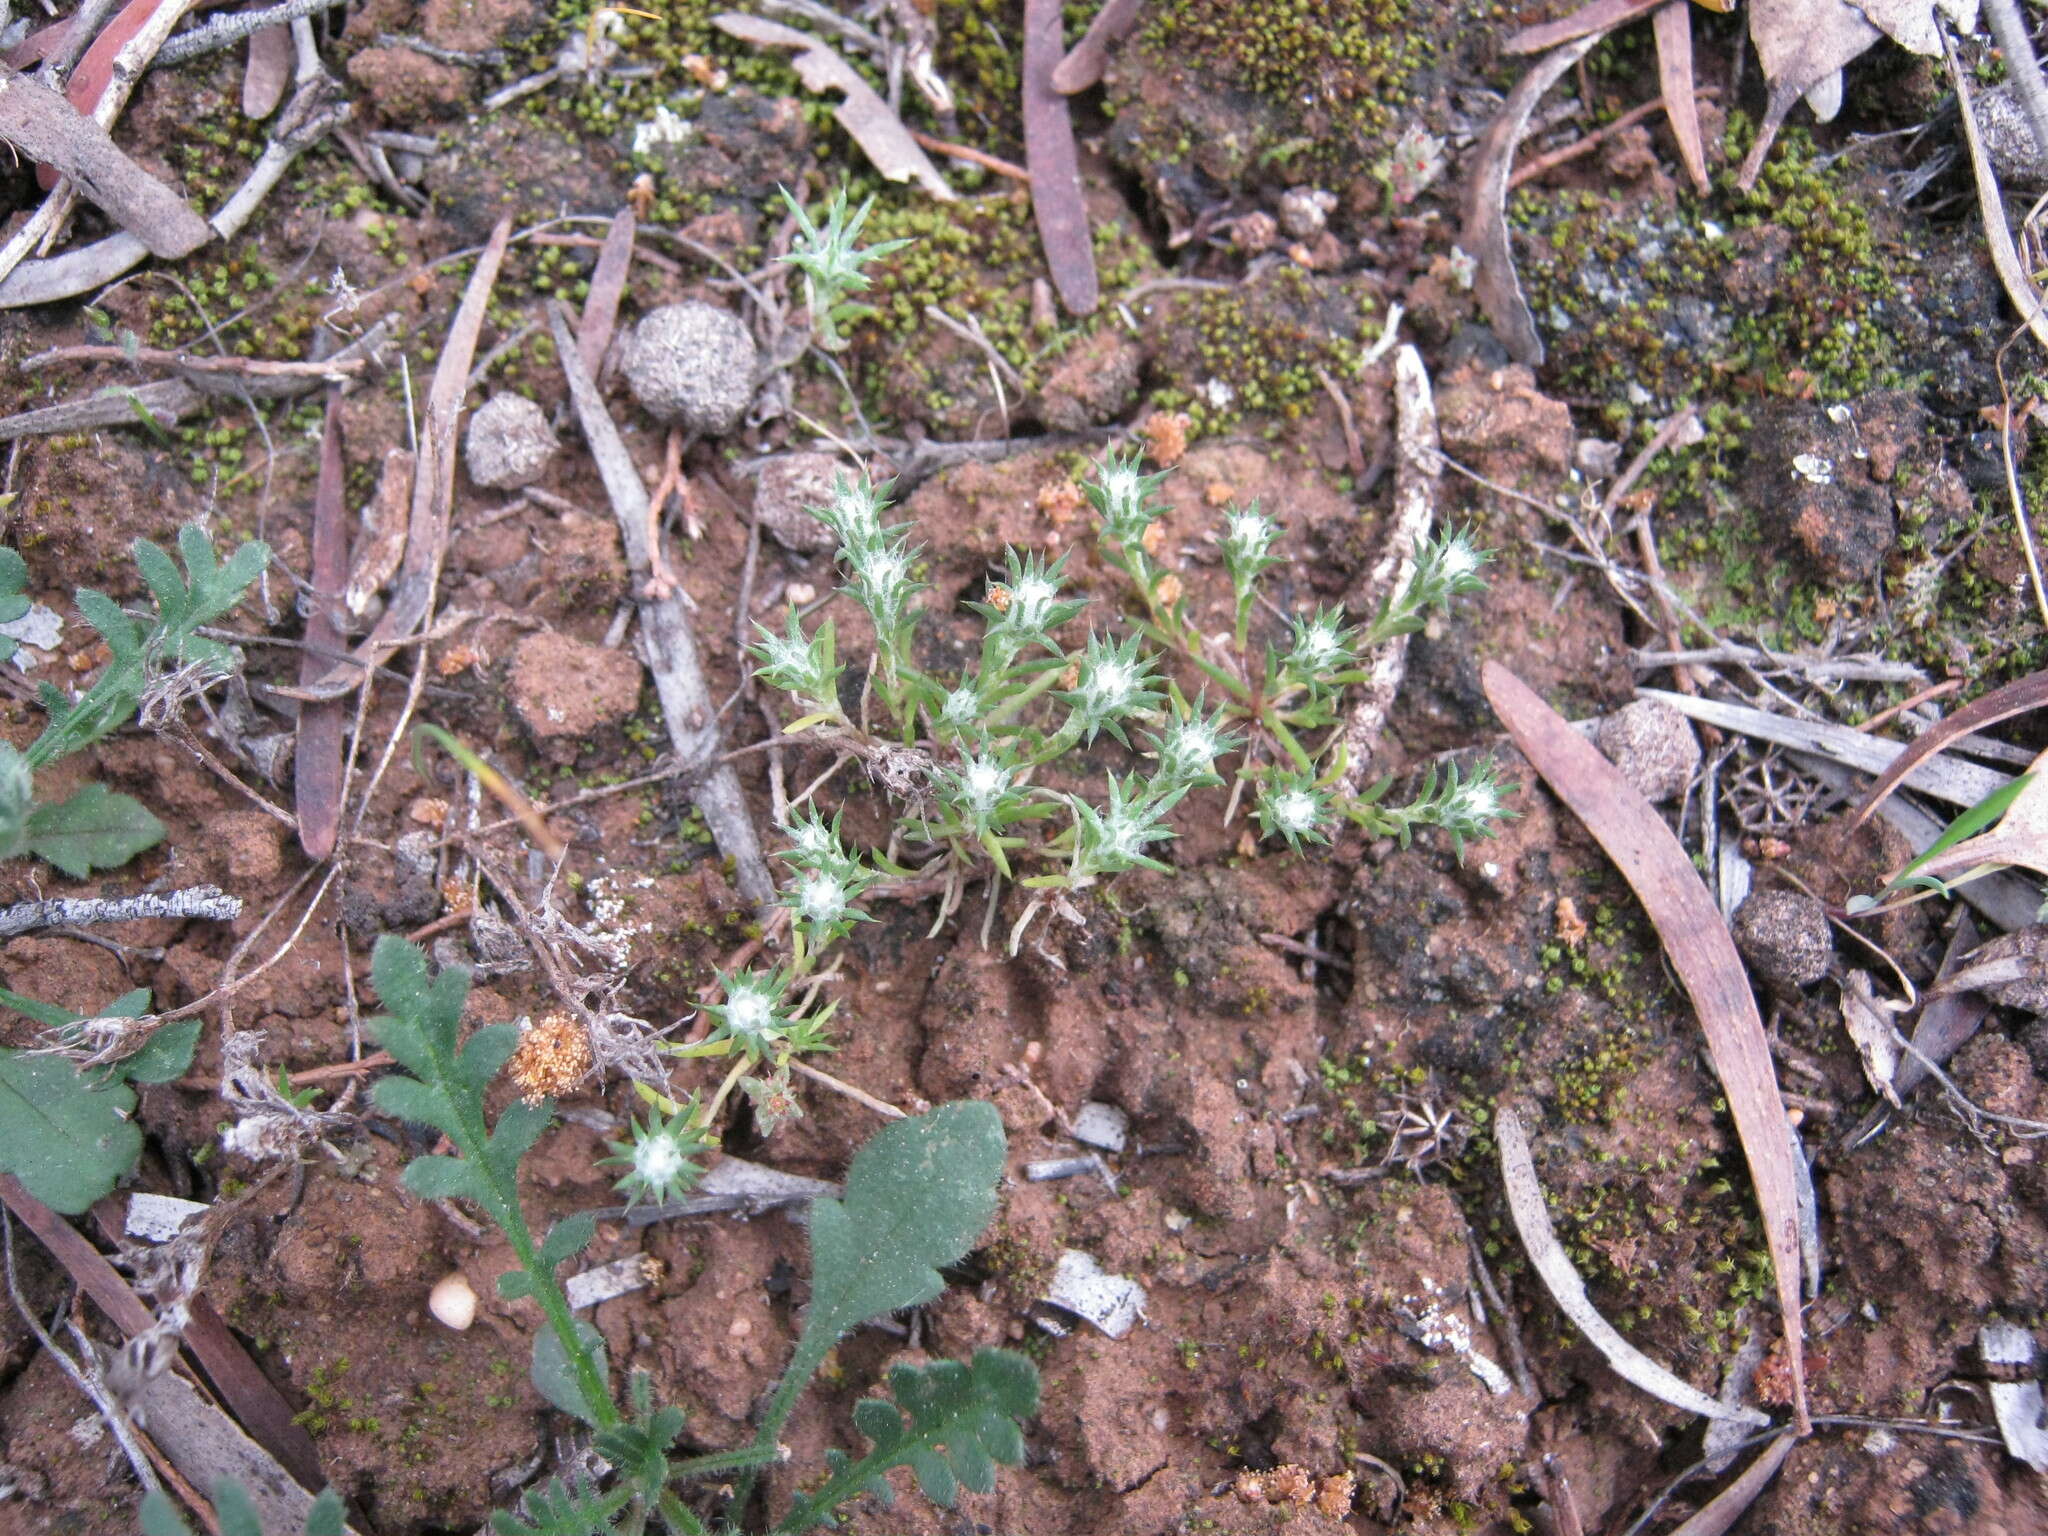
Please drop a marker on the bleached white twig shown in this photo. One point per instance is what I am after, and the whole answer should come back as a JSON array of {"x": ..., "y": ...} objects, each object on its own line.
[
  {"x": 207, "y": 901},
  {"x": 1532, "y": 1221}
]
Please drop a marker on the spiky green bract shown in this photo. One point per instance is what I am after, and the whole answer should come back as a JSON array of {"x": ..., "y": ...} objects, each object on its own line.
[
  {"x": 951, "y": 1424},
  {"x": 821, "y": 899},
  {"x": 753, "y": 1016},
  {"x": 1247, "y": 541},
  {"x": 831, "y": 258},
  {"x": 1114, "y": 839},
  {"x": 854, "y": 514},
  {"x": 1293, "y": 806},
  {"x": 660, "y": 1156},
  {"x": 1187, "y": 750},
  {"x": 1114, "y": 682},
  {"x": 1121, "y": 494},
  {"x": 1024, "y": 611},
  {"x": 1323, "y": 649},
  {"x": 1468, "y": 807},
  {"x": 807, "y": 667},
  {"x": 442, "y": 1086},
  {"x": 1446, "y": 567},
  {"x": 982, "y": 795}
]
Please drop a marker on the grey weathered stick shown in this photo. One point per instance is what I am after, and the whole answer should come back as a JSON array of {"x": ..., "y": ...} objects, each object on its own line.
[
  {"x": 1417, "y": 469},
  {"x": 225, "y": 31},
  {"x": 45, "y": 127},
  {"x": 666, "y": 639},
  {"x": 208, "y": 901},
  {"x": 165, "y": 401}
]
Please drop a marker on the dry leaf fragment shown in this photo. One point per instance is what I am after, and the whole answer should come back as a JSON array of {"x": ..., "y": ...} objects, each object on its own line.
[
  {"x": 1912, "y": 24},
  {"x": 1870, "y": 1027},
  {"x": 864, "y": 115},
  {"x": 267, "y": 73},
  {"x": 382, "y": 548},
  {"x": 1696, "y": 939},
  {"x": 1057, "y": 203},
  {"x": 1673, "y": 25}
]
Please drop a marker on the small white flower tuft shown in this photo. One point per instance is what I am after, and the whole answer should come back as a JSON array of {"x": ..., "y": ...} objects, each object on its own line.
[
  {"x": 1295, "y": 811},
  {"x": 657, "y": 1160}
]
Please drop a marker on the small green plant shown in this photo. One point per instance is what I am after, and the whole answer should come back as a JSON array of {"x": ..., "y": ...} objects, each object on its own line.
[
  {"x": 237, "y": 1514},
  {"x": 95, "y": 828},
  {"x": 917, "y": 1196},
  {"x": 831, "y": 263},
  {"x": 962, "y": 753}
]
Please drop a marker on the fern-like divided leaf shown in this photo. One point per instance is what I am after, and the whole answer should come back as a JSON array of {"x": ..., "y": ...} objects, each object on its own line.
[
  {"x": 951, "y": 1424},
  {"x": 559, "y": 1510}
]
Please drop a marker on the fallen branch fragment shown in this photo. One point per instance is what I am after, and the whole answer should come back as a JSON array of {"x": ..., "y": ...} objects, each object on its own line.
[
  {"x": 1721, "y": 1512},
  {"x": 733, "y": 1185},
  {"x": 2015, "y": 698},
  {"x": 665, "y": 637},
  {"x": 315, "y": 108},
  {"x": 331, "y": 369},
  {"x": 607, "y": 287},
  {"x": 1587, "y": 21},
  {"x": 225, "y": 31},
  {"x": 433, "y": 486},
  {"x": 207, "y": 901},
  {"x": 1417, "y": 470},
  {"x": 317, "y": 754},
  {"x": 2012, "y": 271},
  {"x": 1057, "y": 201},
  {"x": 1703, "y": 955},
  {"x": 1546, "y": 1253},
  {"x": 46, "y": 127}
]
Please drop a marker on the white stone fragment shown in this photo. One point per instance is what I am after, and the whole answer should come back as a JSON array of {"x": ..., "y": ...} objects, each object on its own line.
[
  {"x": 1102, "y": 1126},
  {"x": 1113, "y": 1303},
  {"x": 157, "y": 1218},
  {"x": 618, "y": 1278}
]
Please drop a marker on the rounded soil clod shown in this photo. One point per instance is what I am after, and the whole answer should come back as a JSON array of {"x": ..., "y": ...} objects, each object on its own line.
[
  {"x": 788, "y": 485},
  {"x": 1653, "y": 746},
  {"x": 509, "y": 443},
  {"x": 1784, "y": 936},
  {"x": 692, "y": 365}
]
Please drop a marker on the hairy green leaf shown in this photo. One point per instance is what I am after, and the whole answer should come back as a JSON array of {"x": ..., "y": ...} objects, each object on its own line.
[
  {"x": 554, "y": 1377},
  {"x": 410, "y": 1099},
  {"x": 569, "y": 1237},
  {"x": 443, "y": 1178},
  {"x": 165, "y": 1054},
  {"x": 94, "y": 829},
  {"x": 64, "y": 1137},
  {"x": 917, "y": 1196},
  {"x": 949, "y": 1423}
]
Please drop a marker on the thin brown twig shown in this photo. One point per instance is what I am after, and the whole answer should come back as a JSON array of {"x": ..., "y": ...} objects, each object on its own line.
[
  {"x": 1550, "y": 161},
  {"x": 972, "y": 156}
]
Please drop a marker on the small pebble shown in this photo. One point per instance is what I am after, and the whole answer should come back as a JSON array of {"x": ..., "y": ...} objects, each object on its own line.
[
  {"x": 1784, "y": 936},
  {"x": 509, "y": 443},
  {"x": 692, "y": 365},
  {"x": 1653, "y": 746},
  {"x": 453, "y": 1301}
]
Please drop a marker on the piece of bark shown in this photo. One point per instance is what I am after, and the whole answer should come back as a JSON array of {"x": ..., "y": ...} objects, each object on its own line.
[
  {"x": 46, "y": 127},
  {"x": 607, "y": 287},
  {"x": 1485, "y": 236},
  {"x": 1057, "y": 201}
]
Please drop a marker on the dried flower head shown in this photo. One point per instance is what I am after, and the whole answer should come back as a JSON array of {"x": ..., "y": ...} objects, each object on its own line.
[
  {"x": 1060, "y": 500},
  {"x": 1166, "y": 437},
  {"x": 551, "y": 1059},
  {"x": 1290, "y": 1485},
  {"x": 1250, "y": 1488},
  {"x": 1334, "y": 1496}
]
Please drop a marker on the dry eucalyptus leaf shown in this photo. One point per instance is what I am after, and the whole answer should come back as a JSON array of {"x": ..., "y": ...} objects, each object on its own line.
[
  {"x": 864, "y": 115},
  {"x": 1912, "y": 25}
]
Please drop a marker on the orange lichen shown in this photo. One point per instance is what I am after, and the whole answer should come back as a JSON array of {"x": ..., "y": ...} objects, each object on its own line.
[{"x": 1166, "y": 437}]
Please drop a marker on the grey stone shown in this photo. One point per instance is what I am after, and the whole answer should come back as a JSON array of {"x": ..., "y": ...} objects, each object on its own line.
[{"x": 1784, "y": 936}]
